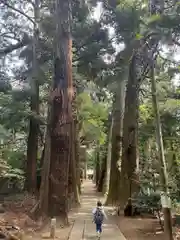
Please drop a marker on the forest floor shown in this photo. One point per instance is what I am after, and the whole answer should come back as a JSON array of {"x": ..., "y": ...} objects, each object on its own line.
[
  {"x": 140, "y": 228},
  {"x": 81, "y": 226}
]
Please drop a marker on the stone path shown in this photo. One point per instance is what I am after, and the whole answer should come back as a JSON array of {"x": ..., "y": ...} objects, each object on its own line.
[{"x": 83, "y": 227}]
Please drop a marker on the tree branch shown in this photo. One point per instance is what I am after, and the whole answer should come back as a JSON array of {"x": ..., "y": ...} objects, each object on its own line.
[
  {"x": 25, "y": 41},
  {"x": 176, "y": 42},
  {"x": 17, "y": 10}
]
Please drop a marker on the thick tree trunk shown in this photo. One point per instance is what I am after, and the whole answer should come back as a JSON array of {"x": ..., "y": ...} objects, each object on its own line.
[
  {"x": 102, "y": 175},
  {"x": 61, "y": 113},
  {"x": 44, "y": 188},
  {"x": 77, "y": 157},
  {"x": 74, "y": 166},
  {"x": 32, "y": 143},
  {"x": 41, "y": 209},
  {"x": 32, "y": 149},
  {"x": 73, "y": 186},
  {"x": 85, "y": 169},
  {"x": 108, "y": 165},
  {"x": 70, "y": 183},
  {"x": 163, "y": 171},
  {"x": 42, "y": 157},
  {"x": 129, "y": 182},
  {"x": 97, "y": 168},
  {"x": 83, "y": 160},
  {"x": 118, "y": 111}
]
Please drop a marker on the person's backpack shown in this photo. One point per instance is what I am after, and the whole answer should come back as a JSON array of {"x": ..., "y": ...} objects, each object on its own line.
[{"x": 98, "y": 216}]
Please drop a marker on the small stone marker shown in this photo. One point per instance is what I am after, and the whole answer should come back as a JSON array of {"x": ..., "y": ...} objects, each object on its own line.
[{"x": 53, "y": 228}]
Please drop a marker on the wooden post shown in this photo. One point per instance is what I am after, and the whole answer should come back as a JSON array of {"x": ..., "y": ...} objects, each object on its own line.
[{"x": 53, "y": 228}]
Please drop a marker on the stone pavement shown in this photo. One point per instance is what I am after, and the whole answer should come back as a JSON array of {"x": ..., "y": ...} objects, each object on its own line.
[{"x": 83, "y": 227}]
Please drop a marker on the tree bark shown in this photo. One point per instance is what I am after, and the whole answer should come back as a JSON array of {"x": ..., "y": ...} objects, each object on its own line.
[
  {"x": 118, "y": 111},
  {"x": 102, "y": 175},
  {"x": 163, "y": 171},
  {"x": 44, "y": 188},
  {"x": 74, "y": 166},
  {"x": 85, "y": 169},
  {"x": 97, "y": 168},
  {"x": 82, "y": 160},
  {"x": 73, "y": 186},
  {"x": 32, "y": 143},
  {"x": 108, "y": 165},
  {"x": 129, "y": 165},
  {"x": 61, "y": 112},
  {"x": 77, "y": 153}
]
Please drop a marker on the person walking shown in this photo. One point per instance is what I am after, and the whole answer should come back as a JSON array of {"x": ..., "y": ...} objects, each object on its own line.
[{"x": 98, "y": 218}]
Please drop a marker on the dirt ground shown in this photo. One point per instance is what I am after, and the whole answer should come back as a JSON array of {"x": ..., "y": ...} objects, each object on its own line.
[
  {"x": 16, "y": 210},
  {"x": 143, "y": 228},
  {"x": 15, "y": 213}
]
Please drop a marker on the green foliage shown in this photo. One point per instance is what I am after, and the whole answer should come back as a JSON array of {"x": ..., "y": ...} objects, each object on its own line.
[
  {"x": 147, "y": 203},
  {"x": 91, "y": 116},
  {"x": 14, "y": 113},
  {"x": 91, "y": 158},
  {"x": 169, "y": 110},
  {"x": 3, "y": 133},
  {"x": 15, "y": 158},
  {"x": 6, "y": 171},
  {"x": 98, "y": 66}
]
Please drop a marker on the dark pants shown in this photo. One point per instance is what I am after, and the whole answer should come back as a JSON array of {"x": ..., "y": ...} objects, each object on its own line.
[{"x": 99, "y": 227}]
